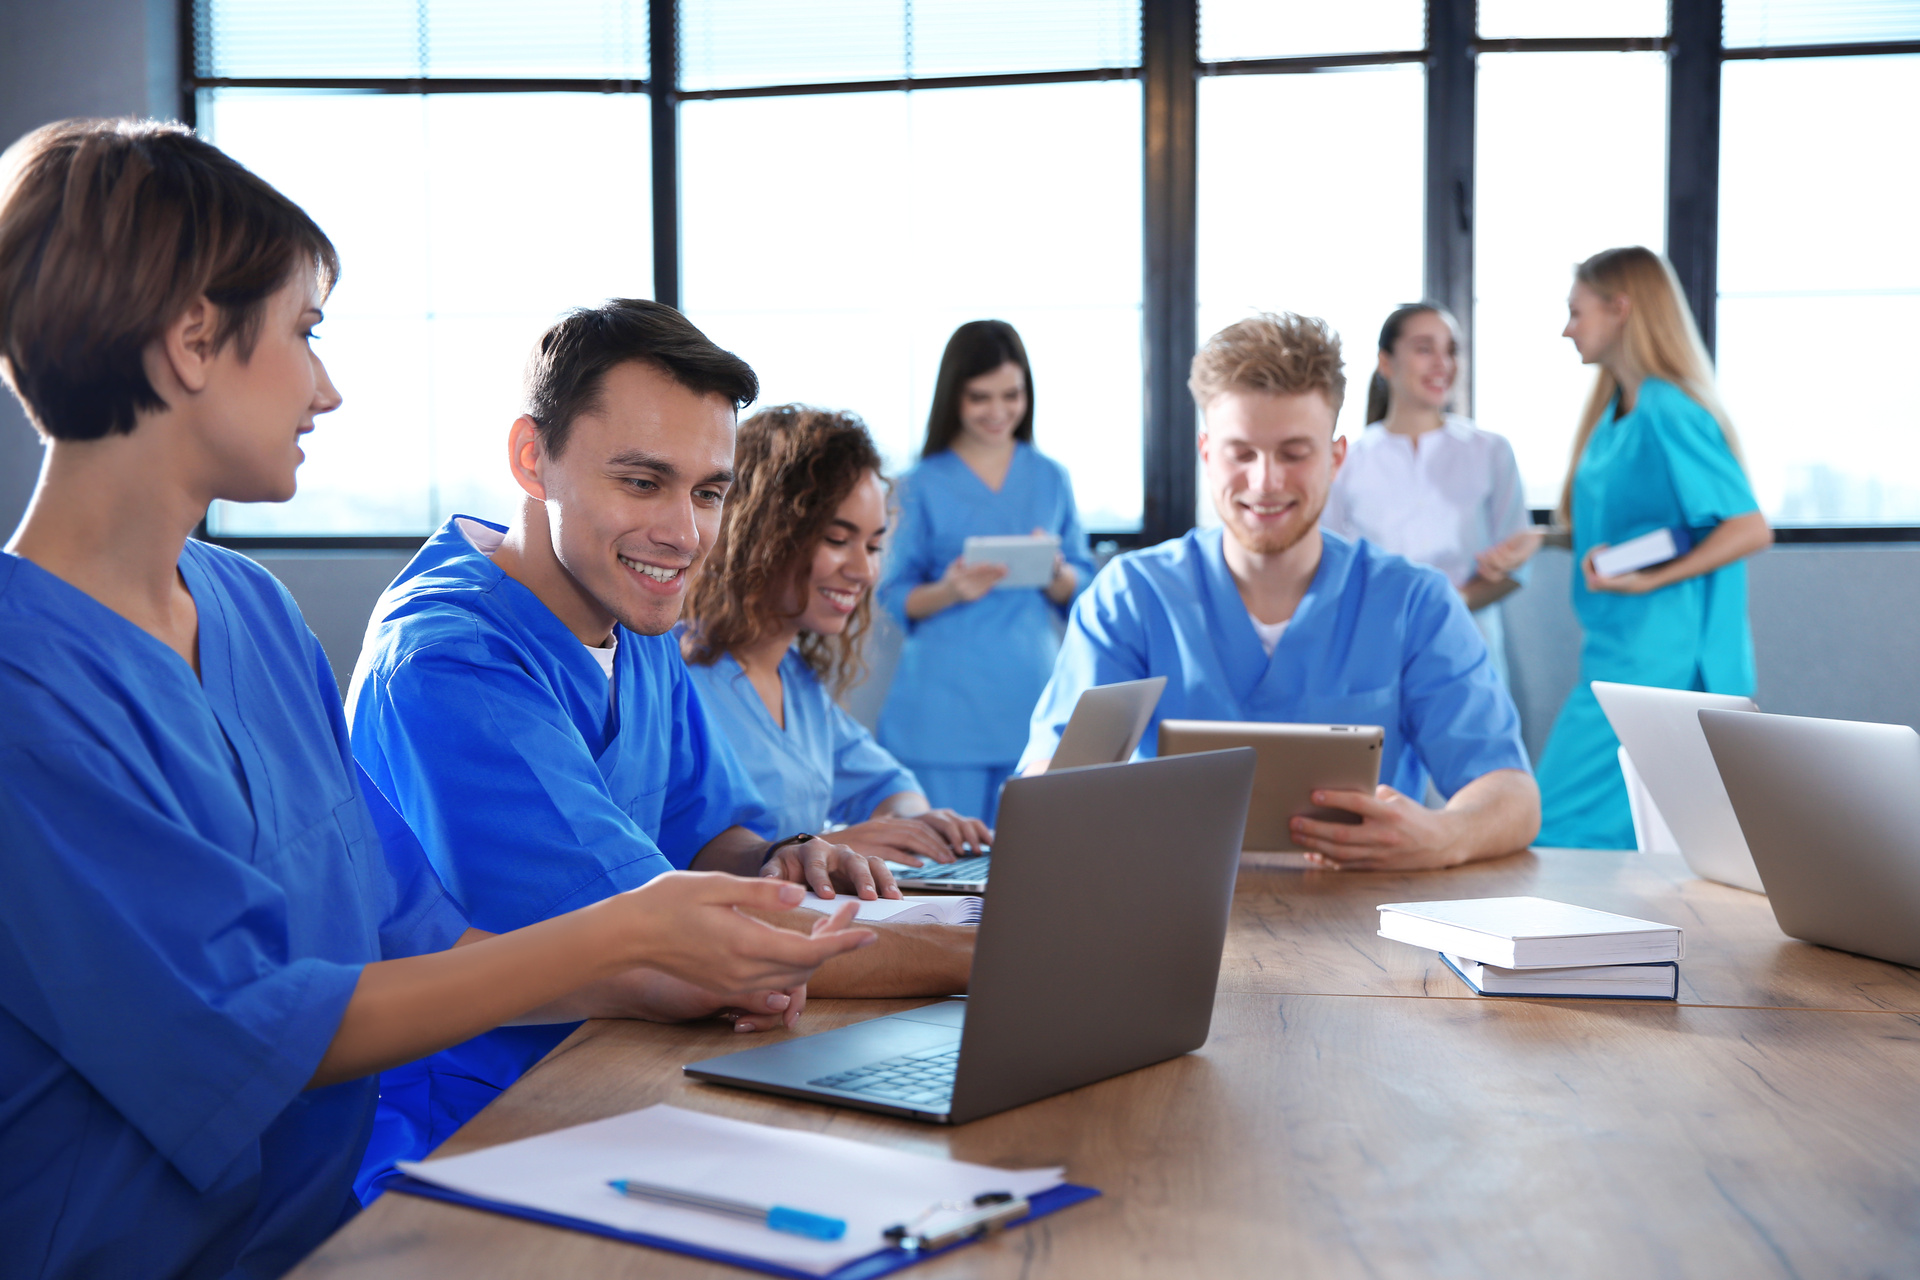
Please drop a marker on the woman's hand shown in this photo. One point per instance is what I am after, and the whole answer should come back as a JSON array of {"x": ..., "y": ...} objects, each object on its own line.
[
  {"x": 825, "y": 867},
  {"x": 967, "y": 581},
  {"x": 937, "y": 835},
  {"x": 692, "y": 926},
  {"x": 1065, "y": 580},
  {"x": 1637, "y": 583},
  {"x": 1503, "y": 557}
]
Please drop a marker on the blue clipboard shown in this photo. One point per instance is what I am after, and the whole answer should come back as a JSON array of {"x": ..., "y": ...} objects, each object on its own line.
[{"x": 880, "y": 1263}]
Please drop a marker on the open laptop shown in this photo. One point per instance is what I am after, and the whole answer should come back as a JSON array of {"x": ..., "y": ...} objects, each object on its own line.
[
  {"x": 1098, "y": 953},
  {"x": 1294, "y": 760},
  {"x": 1107, "y": 724},
  {"x": 1660, "y": 728},
  {"x": 1831, "y": 814}
]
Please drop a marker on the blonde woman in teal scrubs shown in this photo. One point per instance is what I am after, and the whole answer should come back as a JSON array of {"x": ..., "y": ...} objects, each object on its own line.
[{"x": 1654, "y": 451}]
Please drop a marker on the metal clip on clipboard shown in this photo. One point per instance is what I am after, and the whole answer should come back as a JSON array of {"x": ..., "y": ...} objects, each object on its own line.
[{"x": 955, "y": 1220}]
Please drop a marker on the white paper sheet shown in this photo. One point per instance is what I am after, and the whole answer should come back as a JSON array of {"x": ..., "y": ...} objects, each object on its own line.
[
  {"x": 922, "y": 909},
  {"x": 870, "y": 1187}
]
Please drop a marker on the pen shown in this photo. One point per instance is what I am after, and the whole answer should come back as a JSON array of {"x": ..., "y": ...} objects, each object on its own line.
[{"x": 796, "y": 1222}]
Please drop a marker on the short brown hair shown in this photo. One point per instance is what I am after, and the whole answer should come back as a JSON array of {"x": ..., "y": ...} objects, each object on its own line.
[
  {"x": 1281, "y": 354},
  {"x": 571, "y": 360},
  {"x": 794, "y": 465},
  {"x": 109, "y": 230}
]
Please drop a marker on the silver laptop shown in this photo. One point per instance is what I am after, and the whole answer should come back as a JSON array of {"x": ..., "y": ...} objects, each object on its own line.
[
  {"x": 1831, "y": 813},
  {"x": 1098, "y": 953},
  {"x": 1107, "y": 724},
  {"x": 1660, "y": 728}
]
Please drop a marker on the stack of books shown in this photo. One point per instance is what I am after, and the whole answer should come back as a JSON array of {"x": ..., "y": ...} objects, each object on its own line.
[{"x": 1537, "y": 947}]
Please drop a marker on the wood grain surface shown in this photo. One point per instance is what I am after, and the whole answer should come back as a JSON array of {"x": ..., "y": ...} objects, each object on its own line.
[
  {"x": 1392, "y": 1127},
  {"x": 1316, "y": 933}
]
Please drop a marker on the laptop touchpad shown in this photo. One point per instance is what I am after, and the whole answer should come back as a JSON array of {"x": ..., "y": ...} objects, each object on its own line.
[{"x": 948, "y": 1013}]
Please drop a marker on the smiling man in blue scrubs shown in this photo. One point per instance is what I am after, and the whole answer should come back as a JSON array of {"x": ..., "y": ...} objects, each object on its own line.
[
  {"x": 519, "y": 700},
  {"x": 1271, "y": 618}
]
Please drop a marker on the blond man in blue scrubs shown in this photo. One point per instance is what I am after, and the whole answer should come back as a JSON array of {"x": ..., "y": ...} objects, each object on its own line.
[{"x": 1269, "y": 617}]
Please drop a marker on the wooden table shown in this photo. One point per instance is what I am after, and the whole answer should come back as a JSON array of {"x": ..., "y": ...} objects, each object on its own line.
[{"x": 1357, "y": 1113}]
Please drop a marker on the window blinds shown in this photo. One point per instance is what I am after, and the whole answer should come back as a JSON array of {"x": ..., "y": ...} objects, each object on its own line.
[
  {"x": 1759, "y": 24},
  {"x": 733, "y": 44},
  {"x": 380, "y": 39}
]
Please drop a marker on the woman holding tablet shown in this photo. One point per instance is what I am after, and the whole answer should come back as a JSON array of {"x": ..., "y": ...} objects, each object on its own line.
[
  {"x": 218, "y": 931},
  {"x": 1428, "y": 484},
  {"x": 1654, "y": 451},
  {"x": 776, "y": 622},
  {"x": 977, "y": 655}
]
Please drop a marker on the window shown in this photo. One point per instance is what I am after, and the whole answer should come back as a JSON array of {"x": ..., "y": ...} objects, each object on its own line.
[
  {"x": 465, "y": 224},
  {"x": 875, "y": 223},
  {"x": 1238, "y": 29},
  {"x": 1310, "y": 199},
  {"x": 1820, "y": 285},
  {"x": 1571, "y": 19},
  {"x": 1571, "y": 160}
]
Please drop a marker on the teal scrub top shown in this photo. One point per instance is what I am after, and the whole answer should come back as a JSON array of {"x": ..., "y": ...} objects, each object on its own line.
[{"x": 1665, "y": 464}]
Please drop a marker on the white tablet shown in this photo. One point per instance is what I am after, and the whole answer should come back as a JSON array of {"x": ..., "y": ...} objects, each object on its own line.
[{"x": 1028, "y": 557}]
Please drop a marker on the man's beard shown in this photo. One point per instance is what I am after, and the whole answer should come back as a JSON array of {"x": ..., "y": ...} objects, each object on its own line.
[{"x": 1270, "y": 542}]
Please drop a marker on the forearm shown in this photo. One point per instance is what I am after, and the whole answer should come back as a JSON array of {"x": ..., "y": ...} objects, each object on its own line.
[
  {"x": 901, "y": 804},
  {"x": 405, "y": 1009},
  {"x": 1496, "y": 814},
  {"x": 1731, "y": 540},
  {"x": 930, "y": 598},
  {"x": 1480, "y": 592},
  {"x": 908, "y": 960}
]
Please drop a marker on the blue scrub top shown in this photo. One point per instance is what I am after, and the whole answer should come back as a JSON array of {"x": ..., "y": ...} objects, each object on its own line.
[
  {"x": 1376, "y": 640},
  {"x": 535, "y": 787},
  {"x": 823, "y": 767},
  {"x": 1664, "y": 464},
  {"x": 969, "y": 675},
  {"x": 195, "y": 872}
]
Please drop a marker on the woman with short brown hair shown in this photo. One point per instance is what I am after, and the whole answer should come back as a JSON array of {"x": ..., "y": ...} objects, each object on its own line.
[{"x": 216, "y": 930}]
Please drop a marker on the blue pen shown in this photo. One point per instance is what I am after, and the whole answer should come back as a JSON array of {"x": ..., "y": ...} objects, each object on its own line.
[{"x": 796, "y": 1222}]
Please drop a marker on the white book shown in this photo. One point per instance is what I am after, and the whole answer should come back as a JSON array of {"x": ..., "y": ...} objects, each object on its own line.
[
  {"x": 1590, "y": 982},
  {"x": 1643, "y": 552},
  {"x": 1530, "y": 933}
]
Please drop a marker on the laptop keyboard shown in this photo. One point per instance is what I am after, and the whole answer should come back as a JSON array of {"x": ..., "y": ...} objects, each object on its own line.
[
  {"x": 920, "y": 1079},
  {"x": 962, "y": 871}
]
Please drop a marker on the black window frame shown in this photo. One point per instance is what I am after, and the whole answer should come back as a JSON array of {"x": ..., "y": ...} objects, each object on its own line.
[{"x": 1170, "y": 69}]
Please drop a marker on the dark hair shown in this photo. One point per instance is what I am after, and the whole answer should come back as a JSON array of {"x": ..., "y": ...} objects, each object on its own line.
[
  {"x": 567, "y": 366},
  {"x": 109, "y": 230},
  {"x": 976, "y": 347},
  {"x": 1378, "y": 393},
  {"x": 793, "y": 467}
]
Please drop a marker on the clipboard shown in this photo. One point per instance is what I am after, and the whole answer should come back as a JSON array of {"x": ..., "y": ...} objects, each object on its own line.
[{"x": 879, "y": 1263}]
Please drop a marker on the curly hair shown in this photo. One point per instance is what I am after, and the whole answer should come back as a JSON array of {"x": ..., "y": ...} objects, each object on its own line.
[
  {"x": 1281, "y": 354},
  {"x": 793, "y": 466}
]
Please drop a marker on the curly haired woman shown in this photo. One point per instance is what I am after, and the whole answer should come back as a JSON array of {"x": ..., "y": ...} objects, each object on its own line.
[{"x": 776, "y": 621}]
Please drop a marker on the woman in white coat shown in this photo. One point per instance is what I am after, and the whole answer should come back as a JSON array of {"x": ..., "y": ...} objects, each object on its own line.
[{"x": 1428, "y": 484}]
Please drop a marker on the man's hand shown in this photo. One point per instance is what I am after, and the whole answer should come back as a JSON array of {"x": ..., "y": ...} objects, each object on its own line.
[
  {"x": 1496, "y": 814},
  {"x": 1395, "y": 833},
  {"x": 824, "y": 867}
]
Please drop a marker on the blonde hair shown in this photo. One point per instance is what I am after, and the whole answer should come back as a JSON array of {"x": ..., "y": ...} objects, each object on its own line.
[
  {"x": 1661, "y": 341},
  {"x": 1281, "y": 354}
]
